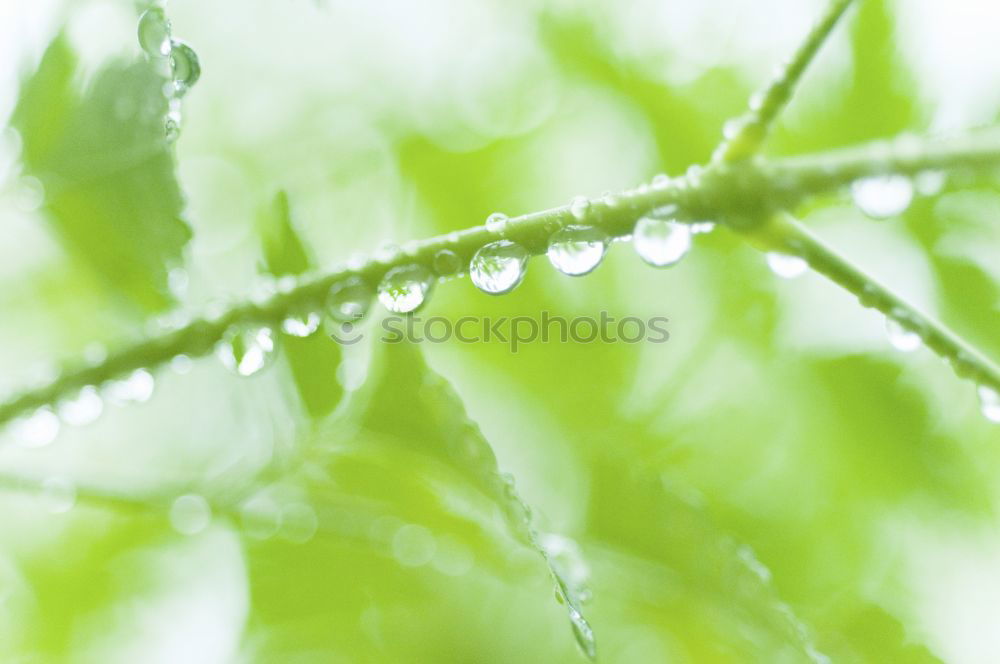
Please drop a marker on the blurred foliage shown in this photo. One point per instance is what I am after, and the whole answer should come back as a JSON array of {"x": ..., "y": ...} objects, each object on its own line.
[{"x": 738, "y": 494}]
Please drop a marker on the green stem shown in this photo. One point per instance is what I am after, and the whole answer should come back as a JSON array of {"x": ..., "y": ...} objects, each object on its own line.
[{"x": 750, "y": 129}]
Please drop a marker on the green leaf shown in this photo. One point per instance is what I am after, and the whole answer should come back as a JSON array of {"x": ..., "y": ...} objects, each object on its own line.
[{"x": 112, "y": 196}]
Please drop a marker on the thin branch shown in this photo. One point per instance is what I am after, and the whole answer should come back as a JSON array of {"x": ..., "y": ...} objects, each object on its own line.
[
  {"x": 741, "y": 195},
  {"x": 786, "y": 234},
  {"x": 745, "y": 133}
]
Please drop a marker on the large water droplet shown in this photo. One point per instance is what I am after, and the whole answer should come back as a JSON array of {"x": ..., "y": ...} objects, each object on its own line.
[
  {"x": 447, "y": 263},
  {"x": 246, "y": 350},
  {"x": 82, "y": 409},
  {"x": 577, "y": 250},
  {"x": 661, "y": 242},
  {"x": 301, "y": 324},
  {"x": 185, "y": 69},
  {"x": 36, "y": 430},
  {"x": 882, "y": 196},
  {"x": 137, "y": 387},
  {"x": 405, "y": 288},
  {"x": 579, "y": 207},
  {"x": 154, "y": 32},
  {"x": 989, "y": 402},
  {"x": 786, "y": 266},
  {"x": 497, "y": 222},
  {"x": 498, "y": 267},
  {"x": 190, "y": 514},
  {"x": 349, "y": 300},
  {"x": 58, "y": 495},
  {"x": 901, "y": 337}
]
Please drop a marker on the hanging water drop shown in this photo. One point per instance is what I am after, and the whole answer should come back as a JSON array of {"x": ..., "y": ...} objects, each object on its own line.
[
  {"x": 447, "y": 263},
  {"x": 137, "y": 387},
  {"x": 497, "y": 223},
  {"x": 36, "y": 430},
  {"x": 185, "y": 69},
  {"x": 190, "y": 514},
  {"x": 661, "y": 242},
  {"x": 405, "y": 288},
  {"x": 882, "y": 196},
  {"x": 579, "y": 207},
  {"x": 82, "y": 409},
  {"x": 172, "y": 121},
  {"x": 901, "y": 337},
  {"x": 786, "y": 266},
  {"x": 498, "y": 267},
  {"x": 989, "y": 403},
  {"x": 246, "y": 350},
  {"x": 702, "y": 227},
  {"x": 301, "y": 324},
  {"x": 577, "y": 250},
  {"x": 349, "y": 300},
  {"x": 58, "y": 495},
  {"x": 154, "y": 32},
  {"x": 582, "y": 632}
]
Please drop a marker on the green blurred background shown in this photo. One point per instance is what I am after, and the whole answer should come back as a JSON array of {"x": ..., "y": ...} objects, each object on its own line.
[{"x": 774, "y": 484}]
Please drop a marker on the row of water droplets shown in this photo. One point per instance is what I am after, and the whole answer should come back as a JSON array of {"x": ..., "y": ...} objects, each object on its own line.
[
  {"x": 883, "y": 197},
  {"x": 156, "y": 40}
]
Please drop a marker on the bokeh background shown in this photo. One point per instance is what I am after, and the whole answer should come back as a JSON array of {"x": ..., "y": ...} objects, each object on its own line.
[{"x": 774, "y": 484}]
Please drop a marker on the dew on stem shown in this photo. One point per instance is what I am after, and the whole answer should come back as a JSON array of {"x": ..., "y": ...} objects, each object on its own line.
[
  {"x": 579, "y": 207},
  {"x": 577, "y": 250},
  {"x": 185, "y": 68},
  {"x": 989, "y": 403},
  {"x": 786, "y": 266},
  {"x": 900, "y": 336},
  {"x": 154, "y": 32},
  {"x": 498, "y": 267},
  {"x": 660, "y": 239},
  {"x": 137, "y": 387},
  {"x": 882, "y": 196},
  {"x": 37, "y": 429},
  {"x": 246, "y": 349},
  {"x": 405, "y": 288},
  {"x": 447, "y": 263},
  {"x": 301, "y": 324},
  {"x": 83, "y": 408},
  {"x": 349, "y": 300},
  {"x": 497, "y": 223}
]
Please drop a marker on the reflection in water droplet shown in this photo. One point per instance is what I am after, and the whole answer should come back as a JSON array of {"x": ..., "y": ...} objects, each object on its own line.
[
  {"x": 786, "y": 266},
  {"x": 298, "y": 522},
  {"x": 901, "y": 337},
  {"x": 58, "y": 495},
  {"x": 261, "y": 517},
  {"x": 138, "y": 387},
  {"x": 413, "y": 545},
  {"x": 349, "y": 300},
  {"x": 497, "y": 222},
  {"x": 154, "y": 32},
  {"x": 302, "y": 324},
  {"x": 185, "y": 68},
  {"x": 661, "y": 242},
  {"x": 447, "y": 263},
  {"x": 405, "y": 288},
  {"x": 82, "y": 409},
  {"x": 579, "y": 207},
  {"x": 989, "y": 402},
  {"x": 498, "y": 267},
  {"x": 172, "y": 122},
  {"x": 577, "y": 250},
  {"x": 36, "y": 430},
  {"x": 190, "y": 514},
  {"x": 882, "y": 196},
  {"x": 246, "y": 350}
]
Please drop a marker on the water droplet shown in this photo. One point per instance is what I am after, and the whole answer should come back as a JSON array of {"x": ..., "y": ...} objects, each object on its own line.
[
  {"x": 702, "y": 227},
  {"x": 661, "y": 181},
  {"x": 582, "y": 632},
  {"x": 137, "y": 387},
  {"x": 447, "y": 263},
  {"x": 869, "y": 296},
  {"x": 566, "y": 559},
  {"x": 579, "y": 207},
  {"x": 756, "y": 101},
  {"x": 413, "y": 545},
  {"x": 405, "y": 288},
  {"x": 301, "y": 324},
  {"x": 261, "y": 517},
  {"x": 185, "y": 69},
  {"x": 177, "y": 281},
  {"x": 929, "y": 183},
  {"x": 989, "y": 402},
  {"x": 901, "y": 337},
  {"x": 154, "y": 32},
  {"x": 882, "y": 196},
  {"x": 58, "y": 495},
  {"x": 172, "y": 122},
  {"x": 387, "y": 252},
  {"x": 786, "y": 266},
  {"x": 298, "y": 522},
  {"x": 181, "y": 364},
  {"x": 190, "y": 514},
  {"x": 732, "y": 127},
  {"x": 661, "y": 242},
  {"x": 577, "y": 250},
  {"x": 82, "y": 409},
  {"x": 349, "y": 300},
  {"x": 36, "y": 430},
  {"x": 498, "y": 267},
  {"x": 497, "y": 222},
  {"x": 246, "y": 350}
]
